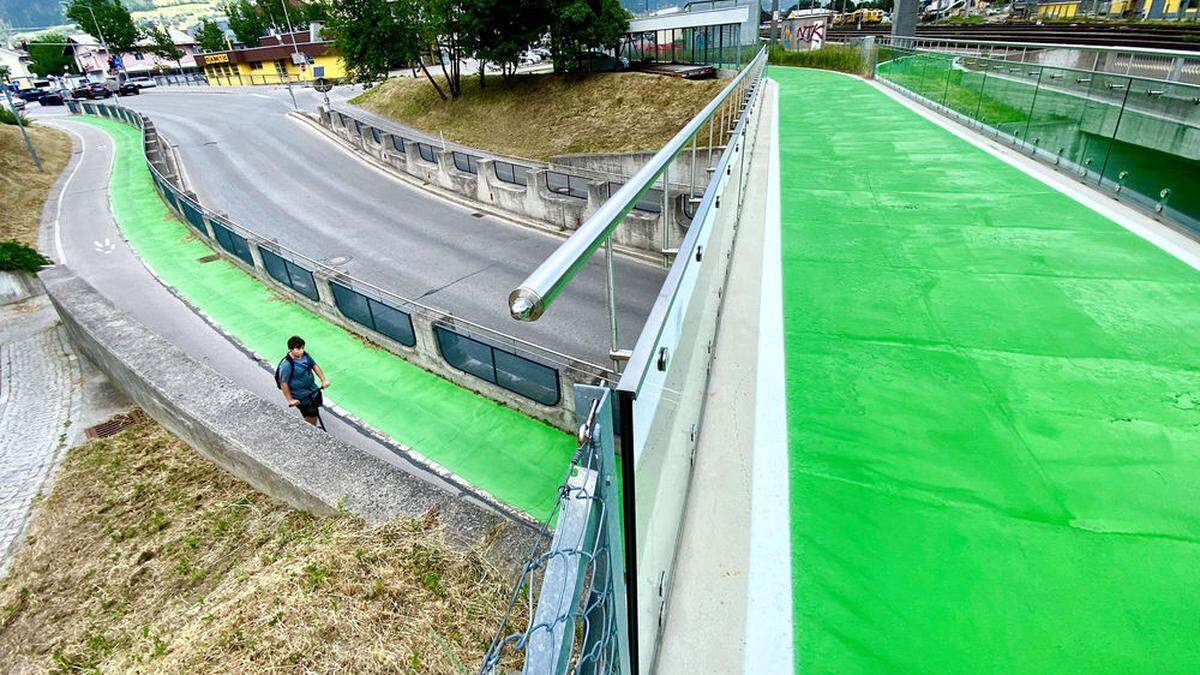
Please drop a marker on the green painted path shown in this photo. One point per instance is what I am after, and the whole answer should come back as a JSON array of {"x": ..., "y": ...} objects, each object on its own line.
[
  {"x": 993, "y": 409},
  {"x": 519, "y": 460}
]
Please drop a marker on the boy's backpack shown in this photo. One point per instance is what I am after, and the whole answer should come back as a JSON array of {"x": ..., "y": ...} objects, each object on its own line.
[{"x": 288, "y": 358}]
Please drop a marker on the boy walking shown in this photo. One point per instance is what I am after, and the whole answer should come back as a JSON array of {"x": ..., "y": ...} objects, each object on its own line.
[{"x": 295, "y": 378}]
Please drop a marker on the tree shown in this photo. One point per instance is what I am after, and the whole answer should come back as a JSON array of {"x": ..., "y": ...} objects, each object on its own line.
[
  {"x": 163, "y": 46},
  {"x": 111, "y": 20},
  {"x": 376, "y": 36},
  {"x": 442, "y": 23},
  {"x": 210, "y": 37},
  {"x": 500, "y": 31},
  {"x": 48, "y": 55},
  {"x": 246, "y": 22},
  {"x": 577, "y": 26}
]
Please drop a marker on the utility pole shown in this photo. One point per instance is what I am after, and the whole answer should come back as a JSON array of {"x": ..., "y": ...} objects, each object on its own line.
[
  {"x": 295, "y": 52},
  {"x": 774, "y": 22},
  {"x": 24, "y": 134}
]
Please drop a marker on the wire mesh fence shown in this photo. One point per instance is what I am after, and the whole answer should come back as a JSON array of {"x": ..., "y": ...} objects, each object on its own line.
[{"x": 567, "y": 612}]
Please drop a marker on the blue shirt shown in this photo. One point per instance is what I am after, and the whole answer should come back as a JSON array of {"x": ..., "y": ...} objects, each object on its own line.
[{"x": 298, "y": 374}]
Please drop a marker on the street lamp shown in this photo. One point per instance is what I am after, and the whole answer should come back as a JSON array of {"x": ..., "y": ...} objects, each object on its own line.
[{"x": 104, "y": 45}]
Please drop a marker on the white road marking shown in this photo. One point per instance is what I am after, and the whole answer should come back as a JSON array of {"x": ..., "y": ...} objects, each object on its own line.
[
  {"x": 58, "y": 245},
  {"x": 106, "y": 247},
  {"x": 769, "y": 578}
]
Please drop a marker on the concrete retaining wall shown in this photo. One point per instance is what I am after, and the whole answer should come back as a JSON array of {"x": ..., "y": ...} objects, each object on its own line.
[
  {"x": 272, "y": 450},
  {"x": 640, "y": 232}
]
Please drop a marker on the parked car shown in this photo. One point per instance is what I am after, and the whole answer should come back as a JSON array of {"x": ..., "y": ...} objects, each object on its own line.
[
  {"x": 141, "y": 82},
  {"x": 17, "y": 103},
  {"x": 126, "y": 88},
  {"x": 599, "y": 62},
  {"x": 30, "y": 94},
  {"x": 51, "y": 98},
  {"x": 98, "y": 90}
]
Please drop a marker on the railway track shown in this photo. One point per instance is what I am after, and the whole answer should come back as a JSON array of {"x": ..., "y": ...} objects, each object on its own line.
[{"x": 1141, "y": 36}]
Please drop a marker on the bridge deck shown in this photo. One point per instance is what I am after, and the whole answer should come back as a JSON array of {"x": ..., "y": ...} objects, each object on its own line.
[
  {"x": 515, "y": 458},
  {"x": 993, "y": 408}
]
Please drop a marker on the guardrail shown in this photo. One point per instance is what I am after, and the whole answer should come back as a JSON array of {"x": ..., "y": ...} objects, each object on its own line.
[
  {"x": 661, "y": 393},
  {"x": 1136, "y": 138},
  {"x": 545, "y": 193},
  {"x": 515, "y": 372}
]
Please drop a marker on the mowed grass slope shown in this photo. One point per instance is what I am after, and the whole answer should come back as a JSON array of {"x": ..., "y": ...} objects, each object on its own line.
[
  {"x": 536, "y": 116},
  {"x": 23, "y": 189},
  {"x": 147, "y": 557}
]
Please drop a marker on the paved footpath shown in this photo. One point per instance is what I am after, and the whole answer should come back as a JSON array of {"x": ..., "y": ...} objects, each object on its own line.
[{"x": 39, "y": 382}]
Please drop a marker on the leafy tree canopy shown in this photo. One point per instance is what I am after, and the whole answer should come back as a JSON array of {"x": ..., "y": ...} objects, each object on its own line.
[
  {"x": 163, "y": 46},
  {"x": 48, "y": 55},
  {"x": 210, "y": 37},
  {"x": 246, "y": 22},
  {"x": 111, "y": 21}
]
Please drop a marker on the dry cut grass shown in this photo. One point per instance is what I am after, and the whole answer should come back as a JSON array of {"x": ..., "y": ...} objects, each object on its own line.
[
  {"x": 23, "y": 189},
  {"x": 146, "y": 557},
  {"x": 536, "y": 116}
]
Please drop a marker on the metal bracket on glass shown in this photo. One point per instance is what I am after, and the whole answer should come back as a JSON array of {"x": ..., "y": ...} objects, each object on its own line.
[
  {"x": 1115, "y": 85},
  {"x": 1155, "y": 92},
  {"x": 1165, "y": 194},
  {"x": 620, "y": 354},
  {"x": 1120, "y": 181}
]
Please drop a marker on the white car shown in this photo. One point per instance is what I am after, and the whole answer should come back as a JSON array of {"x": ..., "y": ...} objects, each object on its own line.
[{"x": 143, "y": 82}]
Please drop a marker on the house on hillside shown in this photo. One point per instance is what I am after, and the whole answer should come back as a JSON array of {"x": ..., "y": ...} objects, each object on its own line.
[{"x": 93, "y": 60}]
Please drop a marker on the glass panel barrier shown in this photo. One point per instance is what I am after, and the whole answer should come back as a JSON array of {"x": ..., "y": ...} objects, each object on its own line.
[
  {"x": 232, "y": 242},
  {"x": 302, "y": 281},
  {"x": 465, "y": 354},
  {"x": 276, "y": 266},
  {"x": 398, "y": 144},
  {"x": 531, "y": 380},
  {"x": 566, "y": 184},
  {"x": 393, "y": 323},
  {"x": 427, "y": 152},
  {"x": 464, "y": 162},
  {"x": 511, "y": 173},
  {"x": 191, "y": 213}
]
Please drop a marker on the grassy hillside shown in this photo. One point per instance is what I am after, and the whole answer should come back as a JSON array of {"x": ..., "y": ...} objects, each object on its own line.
[
  {"x": 146, "y": 557},
  {"x": 536, "y": 116},
  {"x": 23, "y": 189}
]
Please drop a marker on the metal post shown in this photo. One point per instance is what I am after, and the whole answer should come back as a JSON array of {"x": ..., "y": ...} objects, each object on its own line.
[
  {"x": 24, "y": 134},
  {"x": 1033, "y": 104},
  {"x": 292, "y": 94},
  {"x": 666, "y": 220},
  {"x": 612, "y": 300}
]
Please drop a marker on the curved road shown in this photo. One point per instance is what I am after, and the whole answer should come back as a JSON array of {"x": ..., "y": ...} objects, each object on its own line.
[{"x": 244, "y": 156}]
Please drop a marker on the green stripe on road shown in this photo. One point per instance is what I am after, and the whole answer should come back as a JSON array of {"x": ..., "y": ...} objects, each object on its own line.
[
  {"x": 993, "y": 408},
  {"x": 519, "y": 460}
]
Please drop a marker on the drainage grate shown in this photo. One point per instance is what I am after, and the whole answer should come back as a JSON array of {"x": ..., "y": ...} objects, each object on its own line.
[
  {"x": 116, "y": 424},
  {"x": 477, "y": 215}
]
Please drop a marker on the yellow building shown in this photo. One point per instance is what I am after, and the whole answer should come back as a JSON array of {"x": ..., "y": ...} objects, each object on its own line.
[{"x": 287, "y": 58}]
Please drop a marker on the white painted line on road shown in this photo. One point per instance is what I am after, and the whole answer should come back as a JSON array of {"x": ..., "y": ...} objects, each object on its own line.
[
  {"x": 1166, "y": 239},
  {"x": 769, "y": 588},
  {"x": 58, "y": 245}
]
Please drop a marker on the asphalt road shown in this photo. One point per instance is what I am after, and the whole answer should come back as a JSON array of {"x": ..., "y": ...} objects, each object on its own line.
[{"x": 244, "y": 156}]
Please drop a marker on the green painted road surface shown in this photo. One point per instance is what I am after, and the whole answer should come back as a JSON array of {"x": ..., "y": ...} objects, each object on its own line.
[
  {"x": 993, "y": 403},
  {"x": 517, "y": 459}
]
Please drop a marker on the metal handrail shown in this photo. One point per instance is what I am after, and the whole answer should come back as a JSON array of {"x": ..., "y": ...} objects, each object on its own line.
[
  {"x": 530, "y": 300},
  {"x": 1148, "y": 51}
]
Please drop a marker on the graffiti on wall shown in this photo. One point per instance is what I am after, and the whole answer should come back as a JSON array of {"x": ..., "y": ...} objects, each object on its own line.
[{"x": 803, "y": 34}]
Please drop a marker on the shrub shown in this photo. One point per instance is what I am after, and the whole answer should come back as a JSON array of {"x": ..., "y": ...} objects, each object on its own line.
[
  {"x": 829, "y": 57},
  {"x": 7, "y": 116},
  {"x": 16, "y": 256}
]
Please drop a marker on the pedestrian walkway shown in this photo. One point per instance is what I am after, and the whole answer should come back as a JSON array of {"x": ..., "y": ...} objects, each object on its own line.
[
  {"x": 993, "y": 408},
  {"x": 518, "y": 460},
  {"x": 38, "y": 382}
]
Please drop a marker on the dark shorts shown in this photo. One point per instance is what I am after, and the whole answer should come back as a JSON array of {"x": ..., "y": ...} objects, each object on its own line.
[{"x": 311, "y": 407}]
